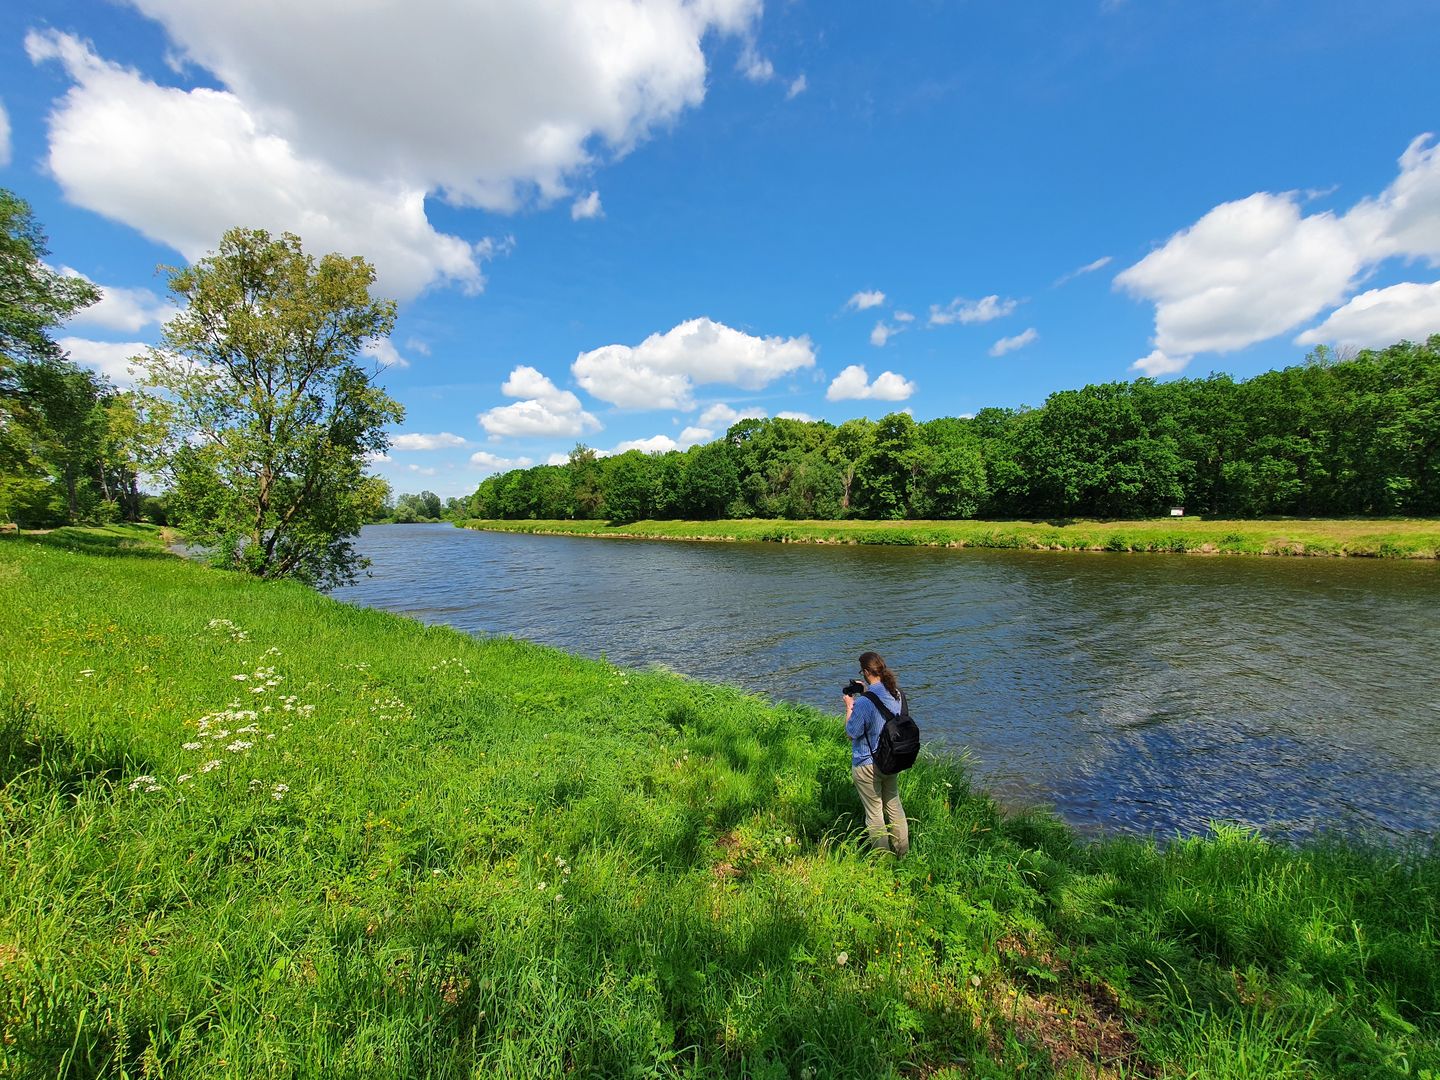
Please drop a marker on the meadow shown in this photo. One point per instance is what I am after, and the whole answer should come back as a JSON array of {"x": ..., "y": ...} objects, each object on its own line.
[
  {"x": 251, "y": 831},
  {"x": 1395, "y": 538}
]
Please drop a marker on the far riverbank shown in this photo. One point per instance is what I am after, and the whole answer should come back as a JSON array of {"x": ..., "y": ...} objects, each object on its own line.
[{"x": 1384, "y": 538}]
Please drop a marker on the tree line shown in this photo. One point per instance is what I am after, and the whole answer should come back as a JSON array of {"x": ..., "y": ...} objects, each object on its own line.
[{"x": 1333, "y": 436}]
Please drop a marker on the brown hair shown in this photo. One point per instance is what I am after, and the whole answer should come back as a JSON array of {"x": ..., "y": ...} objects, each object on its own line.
[{"x": 874, "y": 664}]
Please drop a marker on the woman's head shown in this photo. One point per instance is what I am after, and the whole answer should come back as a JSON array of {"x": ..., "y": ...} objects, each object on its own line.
[{"x": 873, "y": 664}]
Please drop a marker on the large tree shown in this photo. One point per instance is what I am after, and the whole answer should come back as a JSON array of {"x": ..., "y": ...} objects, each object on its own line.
[{"x": 272, "y": 415}]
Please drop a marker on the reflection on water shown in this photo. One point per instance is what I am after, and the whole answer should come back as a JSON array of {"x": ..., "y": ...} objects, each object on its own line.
[{"x": 1131, "y": 692}]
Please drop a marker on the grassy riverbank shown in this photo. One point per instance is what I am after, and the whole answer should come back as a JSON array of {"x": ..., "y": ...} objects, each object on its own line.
[
  {"x": 1400, "y": 538},
  {"x": 250, "y": 831}
]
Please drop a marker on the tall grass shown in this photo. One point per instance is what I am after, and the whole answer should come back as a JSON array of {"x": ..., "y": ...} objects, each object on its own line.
[
  {"x": 1390, "y": 538},
  {"x": 424, "y": 854}
]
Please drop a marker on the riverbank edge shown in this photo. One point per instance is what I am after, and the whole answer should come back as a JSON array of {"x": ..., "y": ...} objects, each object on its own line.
[
  {"x": 1332, "y": 538},
  {"x": 1010, "y": 925}
]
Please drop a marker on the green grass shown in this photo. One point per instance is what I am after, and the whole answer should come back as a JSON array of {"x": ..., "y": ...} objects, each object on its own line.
[
  {"x": 461, "y": 857},
  {"x": 1401, "y": 538}
]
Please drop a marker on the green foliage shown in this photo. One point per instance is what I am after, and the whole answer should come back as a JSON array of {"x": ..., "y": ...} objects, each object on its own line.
[
  {"x": 1326, "y": 438},
  {"x": 271, "y": 417},
  {"x": 462, "y": 857}
]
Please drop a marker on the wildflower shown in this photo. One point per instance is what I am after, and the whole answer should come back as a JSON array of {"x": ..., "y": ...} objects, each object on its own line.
[
  {"x": 842, "y": 958},
  {"x": 183, "y": 778},
  {"x": 87, "y": 672},
  {"x": 436, "y": 872},
  {"x": 540, "y": 887},
  {"x": 153, "y": 787},
  {"x": 239, "y": 746},
  {"x": 248, "y": 729},
  {"x": 141, "y": 781},
  {"x": 975, "y": 981},
  {"x": 256, "y": 782},
  {"x": 269, "y": 735},
  {"x": 211, "y": 766},
  {"x": 192, "y": 746},
  {"x": 278, "y": 792},
  {"x": 257, "y": 689},
  {"x": 240, "y": 678}
]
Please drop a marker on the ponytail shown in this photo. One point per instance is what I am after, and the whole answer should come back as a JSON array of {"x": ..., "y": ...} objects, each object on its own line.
[{"x": 874, "y": 664}]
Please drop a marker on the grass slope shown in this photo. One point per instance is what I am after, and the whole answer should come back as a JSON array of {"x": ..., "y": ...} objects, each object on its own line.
[
  {"x": 250, "y": 831},
  {"x": 1383, "y": 538}
]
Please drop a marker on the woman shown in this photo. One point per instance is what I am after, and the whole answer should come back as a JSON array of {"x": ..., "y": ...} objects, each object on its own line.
[{"x": 879, "y": 792}]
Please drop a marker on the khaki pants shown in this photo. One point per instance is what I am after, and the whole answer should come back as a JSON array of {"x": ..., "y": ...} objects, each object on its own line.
[{"x": 880, "y": 796}]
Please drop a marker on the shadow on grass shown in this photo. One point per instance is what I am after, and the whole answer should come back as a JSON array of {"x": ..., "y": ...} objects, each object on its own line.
[{"x": 100, "y": 540}]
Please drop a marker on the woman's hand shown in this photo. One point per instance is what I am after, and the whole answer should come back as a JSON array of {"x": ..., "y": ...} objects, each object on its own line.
[{"x": 849, "y": 704}]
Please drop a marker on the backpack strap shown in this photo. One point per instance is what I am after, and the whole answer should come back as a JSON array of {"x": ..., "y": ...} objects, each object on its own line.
[{"x": 884, "y": 712}]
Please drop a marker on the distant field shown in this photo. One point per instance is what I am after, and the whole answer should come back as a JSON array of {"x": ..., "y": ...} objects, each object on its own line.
[{"x": 1390, "y": 538}]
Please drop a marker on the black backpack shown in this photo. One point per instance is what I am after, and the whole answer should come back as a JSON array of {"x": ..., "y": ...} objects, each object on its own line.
[{"x": 899, "y": 742}]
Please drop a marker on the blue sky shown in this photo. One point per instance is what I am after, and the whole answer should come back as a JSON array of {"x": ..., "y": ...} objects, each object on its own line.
[{"x": 628, "y": 222}]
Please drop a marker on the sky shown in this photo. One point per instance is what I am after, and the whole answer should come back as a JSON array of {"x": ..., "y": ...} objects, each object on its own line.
[{"x": 629, "y": 223}]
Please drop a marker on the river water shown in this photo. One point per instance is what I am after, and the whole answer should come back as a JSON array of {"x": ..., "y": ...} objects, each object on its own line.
[{"x": 1132, "y": 693}]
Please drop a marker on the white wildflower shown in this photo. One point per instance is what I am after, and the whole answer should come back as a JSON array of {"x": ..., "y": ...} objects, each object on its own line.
[
  {"x": 239, "y": 746},
  {"x": 842, "y": 958},
  {"x": 87, "y": 672},
  {"x": 184, "y": 778},
  {"x": 240, "y": 678},
  {"x": 211, "y": 766},
  {"x": 540, "y": 887},
  {"x": 278, "y": 792},
  {"x": 192, "y": 746},
  {"x": 141, "y": 781}
]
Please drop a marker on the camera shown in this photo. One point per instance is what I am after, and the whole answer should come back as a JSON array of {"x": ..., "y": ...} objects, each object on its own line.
[{"x": 854, "y": 688}]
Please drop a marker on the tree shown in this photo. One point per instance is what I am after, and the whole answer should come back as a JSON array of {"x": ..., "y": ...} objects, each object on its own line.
[{"x": 272, "y": 417}]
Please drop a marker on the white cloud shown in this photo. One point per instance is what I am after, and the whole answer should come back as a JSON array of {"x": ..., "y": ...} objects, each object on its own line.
[
  {"x": 586, "y": 207},
  {"x": 693, "y": 436},
  {"x": 109, "y": 358},
  {"x": 415, "y": 345},
  {"x": 127, "y": 310},
  {"x": 655, "y": 444},
  {"x": 862, "y": 301},
  {"x": 1010, "y": 344},
  {"x": 545, "y": 411},
  {"x": 421, "y": 470},
  {"x": 374, "y": 457},
  {"x": 964, "y": 311},
  {"x": 1088, "y": 268},
  {"x": 806, "y": 417},
  {"x": 904, "y": 317},
  {"x": 182, "y": 167},
  {"x": 4, "y": 136},
  {"x": 854, "y": 384},
  {"x": 483, "y": 101},
  {"x": 883, "y": 332},
  {"x": 1257, "y": 267},
  {"x": 662, "y": 371},
  {"x": 336, "y": 120},
  {"x": 1246, "y": 271},
  {"x": 1157, "y": 363},
  {"x": 722, "y": 415},
  {"x": 753, "y": 66},
  {"x": 797, "y": 86},
  {"x": 384, "y": 353},
  {"x": 558, "y": 459},
  {"x": 418, "y": 441},
  {"x": 1380, "y": 317},
  {"x": 491, "y": 463}
]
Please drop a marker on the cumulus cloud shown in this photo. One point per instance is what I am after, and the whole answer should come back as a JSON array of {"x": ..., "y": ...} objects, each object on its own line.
[
  {"x": 797, "y": 86},
  {"x": 863, "y": 301},
  {"x": 722, "y": 415},
  {"x": 1257, "y": 267},
  {"x": 1381, "y": 317},
  {"x": 1157, "y": 363},
  {"x": 4, "y": 136},
  {"x": 965, "y": 311},
  {"x": 493, "y": 463},
  {"x": 1010, "y": 344},
  {"x": 904, "y": 317},
  {"x": 384, "y": 353},
  {"x": 183, "y": 166},
  {"x": 854, "y": 384},
  {"x": 418, "y": 441},
  {"x": 336, "y": 120},
  {"x": 545, "y": 409},
  {"x": 125, "y": 310},
  {"x": 663, "y": 370},
  {"x": 806, "y": 417},
  {"x": 109, "y": 358},
  {"x": 655, "y": 444},
  {"x": 586, "y": 207},
  {"x": 1088, "y": 268}
]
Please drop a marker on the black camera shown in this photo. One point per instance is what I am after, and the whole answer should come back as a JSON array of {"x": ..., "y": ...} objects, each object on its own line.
[{"x": 854, "y": 688}]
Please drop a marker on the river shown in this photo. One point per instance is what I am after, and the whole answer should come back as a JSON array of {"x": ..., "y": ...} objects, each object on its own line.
[{"x": 1148, "y": 694}]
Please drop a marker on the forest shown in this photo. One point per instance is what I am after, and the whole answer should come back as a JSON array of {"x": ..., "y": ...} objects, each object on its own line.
[{"x": 1331, "y": 437}]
